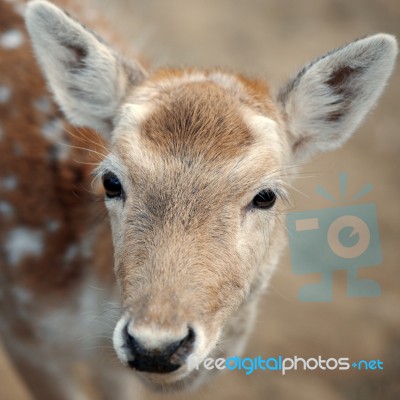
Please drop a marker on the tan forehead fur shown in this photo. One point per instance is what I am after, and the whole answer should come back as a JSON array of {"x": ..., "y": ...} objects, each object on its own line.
[
  {"x": 196, "y": 119},
  {"x": 201, "y": 116}
]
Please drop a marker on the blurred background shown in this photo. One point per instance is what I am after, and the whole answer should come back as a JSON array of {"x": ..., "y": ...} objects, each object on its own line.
[{"x": 272, "y": 39}]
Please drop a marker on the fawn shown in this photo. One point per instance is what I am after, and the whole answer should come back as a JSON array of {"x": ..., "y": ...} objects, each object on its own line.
[{"x": 194, "y": 165}]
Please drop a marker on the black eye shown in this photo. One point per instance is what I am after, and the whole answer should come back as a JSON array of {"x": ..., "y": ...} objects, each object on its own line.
[
  {"x": 265, "y": 199},
  {"x": 112, "y": 185}
]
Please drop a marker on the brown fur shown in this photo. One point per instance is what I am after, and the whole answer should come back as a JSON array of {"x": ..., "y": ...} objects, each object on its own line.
[
  {"x": 48, "y": 188},
  {"x": 195, "y": 119}
]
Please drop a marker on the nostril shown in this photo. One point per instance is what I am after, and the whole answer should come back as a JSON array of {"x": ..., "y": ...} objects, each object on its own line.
[
  {"x": 163, "y": 359},
  {"x": 183, "y": 348}
]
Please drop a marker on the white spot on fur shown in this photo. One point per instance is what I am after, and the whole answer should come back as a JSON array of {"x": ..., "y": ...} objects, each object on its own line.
[
  {"x": 22, "y": 242},
  {"x": 12, "y": 39},
  {"x": 53, "y": 131},
  {"x": 18, "y": 149},
  {"x": 8, "y": 183},
  {"x": 5, "y": 94},
  {"x": 86, "y": 248},
  {"x": 53, "y": 225},
  {"x": 71, "y": 253},
  {"x": 6, "y": 209},
  {"x": 21, "y": 294},
  {"x": 43, "y": 104}
]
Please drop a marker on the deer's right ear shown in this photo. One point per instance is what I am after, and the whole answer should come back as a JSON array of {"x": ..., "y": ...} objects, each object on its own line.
[{"x": 88, "y": 79}]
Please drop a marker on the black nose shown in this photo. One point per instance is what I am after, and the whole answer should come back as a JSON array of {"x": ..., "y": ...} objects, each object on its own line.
[{"x": 160, "y": 360}]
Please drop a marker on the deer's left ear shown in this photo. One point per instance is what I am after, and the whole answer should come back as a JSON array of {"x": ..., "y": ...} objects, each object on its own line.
[
  {"x": 328, "y": 99},
  {"x": 88, "y": 79}
]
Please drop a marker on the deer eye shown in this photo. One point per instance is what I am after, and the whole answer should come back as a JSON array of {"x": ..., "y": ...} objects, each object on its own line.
[
  {"x": 112, "y": 185},
  {"x": 264, "y": 199}
]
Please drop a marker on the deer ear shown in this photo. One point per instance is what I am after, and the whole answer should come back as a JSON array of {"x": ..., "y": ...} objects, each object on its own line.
[
  {"x": 88, "y": 79},
  {"x": 328, "y": 99}
]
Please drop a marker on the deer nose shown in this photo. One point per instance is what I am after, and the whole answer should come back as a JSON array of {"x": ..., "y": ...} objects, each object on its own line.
[{"x": 162, "y": 359}]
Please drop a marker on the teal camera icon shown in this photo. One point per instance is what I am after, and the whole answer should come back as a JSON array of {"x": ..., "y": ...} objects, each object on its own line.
[{"x": 330, "y": 239}]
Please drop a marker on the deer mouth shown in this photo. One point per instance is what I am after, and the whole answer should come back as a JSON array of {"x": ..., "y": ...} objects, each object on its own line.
[{"x": 174, "y": 381}]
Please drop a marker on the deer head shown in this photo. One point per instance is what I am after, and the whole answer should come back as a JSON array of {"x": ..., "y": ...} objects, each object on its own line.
[{"x": 195, "y": 179}]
